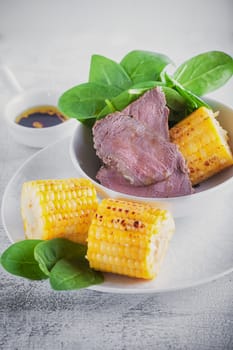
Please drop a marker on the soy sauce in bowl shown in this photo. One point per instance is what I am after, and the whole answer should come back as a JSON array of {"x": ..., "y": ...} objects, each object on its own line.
[{"x": 40, "y": 117}]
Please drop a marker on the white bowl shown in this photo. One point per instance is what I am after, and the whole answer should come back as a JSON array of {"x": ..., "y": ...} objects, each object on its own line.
[
  {"x": 87, "y": 164},
  {"x": 35, "y": 137}
]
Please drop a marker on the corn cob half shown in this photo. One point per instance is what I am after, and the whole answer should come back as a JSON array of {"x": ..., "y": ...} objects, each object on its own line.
[
  {"x": 203, "y": 143},
  {"x": 129, "y": 238},
  {"x": 58, "y": 208}
]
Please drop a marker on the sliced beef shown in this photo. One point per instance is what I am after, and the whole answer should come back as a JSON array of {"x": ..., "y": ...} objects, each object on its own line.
[
  {"x": 178, "y": 184},
  {"x": 138, "y": 158},
  {"x": 151, "y": 110},
  {"x": 127, "y": 145}
]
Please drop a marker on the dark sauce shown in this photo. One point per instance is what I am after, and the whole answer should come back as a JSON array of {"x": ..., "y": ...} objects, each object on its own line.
[{"x": 40, "y": 117}]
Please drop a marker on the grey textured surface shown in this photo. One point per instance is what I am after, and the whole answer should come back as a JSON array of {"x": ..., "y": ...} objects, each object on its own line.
[
  {"x": 51, "y": 43},
  {"x": 34, "y": 317}
]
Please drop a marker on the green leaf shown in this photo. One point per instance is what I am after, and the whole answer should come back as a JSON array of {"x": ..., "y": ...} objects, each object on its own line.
[
  {"x": 118, "y": 103},
  {"x": 19, "y": 260},
  {"x": 114, "y": 86},
  {"x": 192, "y": 101},
  {"x": 65, "y": 263},
  {"x": 143, "y": 66},
  {"x": 85, "y": 101},
  {"x": 108, "y": 72},
  {"x": 174, "y": 100},
  {"x": 73, "y": 274},
  {"x": 205, "y": 72},
  {"x": 140, "y": 88},
  {"x": 62, "y": 260},
  {"x": 48, "y": 253}
]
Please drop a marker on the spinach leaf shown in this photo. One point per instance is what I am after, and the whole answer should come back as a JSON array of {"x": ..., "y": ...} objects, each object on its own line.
[
  {"x": 143, "y": 66},
  {"x": 140, "y": 88},
  {"x": 173, "y": 99},
  {"x": 48, "y": 253},
  {"x": 114, "y": 86},
  {"x": 108, "y": 72},
  {"x": 205, "y": 72},
  {"x": 19, "y": 260},
  {"x": 65, "y": 263},
  {"x": 192, "y": 101},
  {"x": 73, "y": 274},
  {"x": 118, "y": 103},
  {"x": 61, "y": 260},
  {"x": 85, "y": 101}
]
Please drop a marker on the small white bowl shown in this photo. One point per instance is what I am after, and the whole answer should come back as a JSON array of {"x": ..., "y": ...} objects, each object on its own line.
[
  {"x": 35, "y": 137},
  {"x": 87, "y": 164}
]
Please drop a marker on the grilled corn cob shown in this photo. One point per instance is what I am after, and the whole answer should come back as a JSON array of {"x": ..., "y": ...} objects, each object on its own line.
[
  {"x": 129, "y": 238},
  {"x": 203, "y": 143},
  {"x": 58, "y": 208}
]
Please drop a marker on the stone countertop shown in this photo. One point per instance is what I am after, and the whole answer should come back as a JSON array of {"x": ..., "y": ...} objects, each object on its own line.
[{"x": 49, "y": 43}]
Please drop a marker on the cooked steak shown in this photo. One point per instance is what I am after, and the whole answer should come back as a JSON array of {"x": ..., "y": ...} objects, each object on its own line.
[
  {"x": 138, "y": 158},
  {"x": 178, "y": 184},
  {"x": 151, "y": 110},
  {"x": 127, "y": 145}
]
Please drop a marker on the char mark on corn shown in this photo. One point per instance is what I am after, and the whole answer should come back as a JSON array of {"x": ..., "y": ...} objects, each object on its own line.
[
  {"x": 203, "y": 143},
  {"x": 129, "y": 238}
]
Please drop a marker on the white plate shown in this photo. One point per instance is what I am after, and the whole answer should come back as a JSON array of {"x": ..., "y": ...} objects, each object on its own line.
[{"x": 200, "y": 251}]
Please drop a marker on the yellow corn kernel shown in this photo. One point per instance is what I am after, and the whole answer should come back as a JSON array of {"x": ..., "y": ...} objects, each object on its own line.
[
  {"x": 58, "y": 208},
  {"x": 129, "y": 238},
  {"x": 203, "y": 143}
]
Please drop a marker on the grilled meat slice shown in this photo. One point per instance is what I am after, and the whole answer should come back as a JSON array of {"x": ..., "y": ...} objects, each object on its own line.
[{"x": 126, "y": 144}]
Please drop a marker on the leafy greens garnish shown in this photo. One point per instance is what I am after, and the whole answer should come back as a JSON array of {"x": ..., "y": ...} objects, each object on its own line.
[
  {"x": 205, "y": 73},
  {"x": 144, "y": 66},
  {"x": 113, "y": 86},
  {"x": 19, "y": 260},
  {"x": 58, "y": 259}
]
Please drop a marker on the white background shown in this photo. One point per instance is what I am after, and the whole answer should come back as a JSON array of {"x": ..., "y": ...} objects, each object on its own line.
[{"x": 51, "y": 42}]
